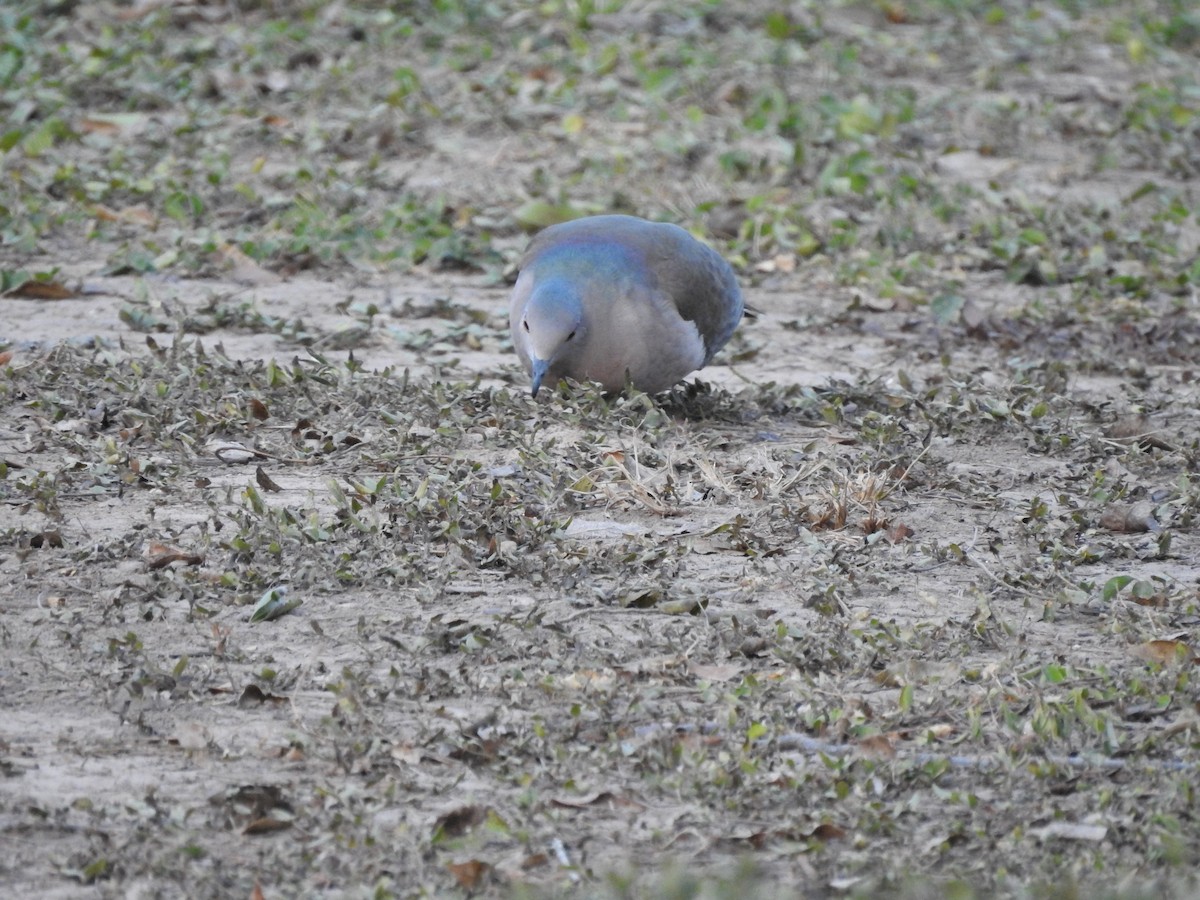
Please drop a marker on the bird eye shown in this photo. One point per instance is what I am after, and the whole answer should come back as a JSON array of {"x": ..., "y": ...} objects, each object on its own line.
[{"x": 525, "y": 324}]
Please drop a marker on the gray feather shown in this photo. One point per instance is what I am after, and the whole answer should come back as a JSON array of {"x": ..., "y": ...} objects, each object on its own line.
[{"x": 649, "y": 300}]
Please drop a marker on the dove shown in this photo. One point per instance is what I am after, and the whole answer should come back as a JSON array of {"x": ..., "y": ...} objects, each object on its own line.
[{"x": 617, "y": 298}]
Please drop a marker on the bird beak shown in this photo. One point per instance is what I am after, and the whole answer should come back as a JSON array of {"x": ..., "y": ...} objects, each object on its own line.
[{"x": 539, "y": 369}]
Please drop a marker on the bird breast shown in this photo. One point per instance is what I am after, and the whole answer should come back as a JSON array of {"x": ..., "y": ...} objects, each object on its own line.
[{"x": 641, "y": 333}]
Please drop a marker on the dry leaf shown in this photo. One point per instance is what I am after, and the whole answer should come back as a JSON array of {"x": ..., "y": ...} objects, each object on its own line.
[
  {"x": 1137, "y": 430},
  {"x": 587, "y": 679},
  {"x": 715, "y": 672},
  {"x": 877, "y": 746},
  {"x": 242, "y": 268},
  {"x": 600, "y": 797},
  {"x": 469, "y": 874},
  {"x": 1159, "y": 601},
  {"x": 253, "y": 801},
  {"x": 256, "y": 892},
  {"x": 754, "y": 647},
  {"x": 266, "y": 825},
  {"x": 258, "y": 409},
  {"x": 640, "y": 599},
  {"x": 827, "y": 831},
  {"x": 874, "y": 303},
  {"x": 159, "y": 556},
  {"x": 43, "y": 290},
  {"x": 264, "y": 481},
  {"x": 50, "y": 538},
  {"x": 459, "y": 821},
  {"x": 1124, "y": 519},
  {"x": 783, "y": 262},
  {"x": 1070, "y": 831},
  {"x": 406, "y": 752},
  {"x": 253, "y": 695},
  {"x": 190, "y": 736},
  {"x": 131, "y": 215},
  {"x": 97, "y": 126},
  {"x": 231, "y": 451},
  {"x": 6, "y": 357},
  {"x": 974, "y": 317},
  {"x": 1164, "y": 652}
]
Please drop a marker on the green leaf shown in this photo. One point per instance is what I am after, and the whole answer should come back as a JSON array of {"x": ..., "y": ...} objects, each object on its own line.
[
  {"x": 273, "y": 604},
  {"x": 183, "y": 207},
  {"x": 38, "y": 142},
  {"x": 1114, "y": 585},
  {"x": 540, "y": 214},
  {"x": 1143, "y": 589},
  {"x": 779, "y": 26},
  {"x": 1054, "y": 673},
  {"x": 11, "y": 279},
  {"x": 10, "y": 64},
  {"x": 859, "y": 117},
  {"x": 96, "y": 869},
  {"x": 947, "y": 307}
]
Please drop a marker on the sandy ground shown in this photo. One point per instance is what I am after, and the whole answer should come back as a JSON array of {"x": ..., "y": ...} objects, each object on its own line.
[{"x": 884, "y": 602}]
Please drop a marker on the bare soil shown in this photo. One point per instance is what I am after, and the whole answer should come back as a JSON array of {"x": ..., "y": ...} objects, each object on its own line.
[{"x": 846, "y": 615}]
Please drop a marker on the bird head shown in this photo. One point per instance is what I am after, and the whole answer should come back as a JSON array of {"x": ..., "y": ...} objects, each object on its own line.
[{"x": 552, "y": 326}]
